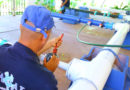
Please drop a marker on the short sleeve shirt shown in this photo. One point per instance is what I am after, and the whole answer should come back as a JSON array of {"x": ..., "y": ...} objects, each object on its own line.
[{"x": 20, "y": 70}]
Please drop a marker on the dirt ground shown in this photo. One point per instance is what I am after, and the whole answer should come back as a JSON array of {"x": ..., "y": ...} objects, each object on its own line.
[{"x": 70, "y": 48}]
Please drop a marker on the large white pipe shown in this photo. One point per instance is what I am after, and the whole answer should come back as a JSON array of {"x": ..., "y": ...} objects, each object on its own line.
[
  {"x": 63, "y": 65},
  {"x": 81, "y": 84},
  {"x": 96, "y": 72}
]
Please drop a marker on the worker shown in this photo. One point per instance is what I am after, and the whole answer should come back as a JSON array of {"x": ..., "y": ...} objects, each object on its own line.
[
  {"x": 20, "y": 68},
  {"x": 64, "y": 4}
]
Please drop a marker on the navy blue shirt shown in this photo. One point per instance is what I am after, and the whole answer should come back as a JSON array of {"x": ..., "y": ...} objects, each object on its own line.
[
  {"x": 23, "y": 65},
  {"x": 67, "y": 4}
]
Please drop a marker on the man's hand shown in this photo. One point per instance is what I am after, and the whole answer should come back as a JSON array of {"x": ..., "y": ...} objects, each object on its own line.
[
  {"x": 56, "y": 42},
  {"x": 51, "y": 43},
  {"x": 52, "y": 64}
]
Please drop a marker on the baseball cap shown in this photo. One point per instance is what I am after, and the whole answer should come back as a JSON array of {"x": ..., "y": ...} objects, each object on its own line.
[{"x": 40, "y": 17}]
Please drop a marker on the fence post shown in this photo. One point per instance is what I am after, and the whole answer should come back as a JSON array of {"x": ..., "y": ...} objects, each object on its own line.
[{"x": 13, "y": 7}]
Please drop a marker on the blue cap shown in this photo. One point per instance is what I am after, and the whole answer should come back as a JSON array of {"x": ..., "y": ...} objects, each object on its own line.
[{"x": 40, "y": 17}]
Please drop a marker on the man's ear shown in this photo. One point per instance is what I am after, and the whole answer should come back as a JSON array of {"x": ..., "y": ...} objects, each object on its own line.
[
  {"x": 20, "y": 26},
  {"x": 43, "y": 39}
]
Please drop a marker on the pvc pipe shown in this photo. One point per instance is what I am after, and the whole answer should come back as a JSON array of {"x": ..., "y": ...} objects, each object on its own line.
[
  {"x": 81, "y": 84},
  {"x": 83, "y": 20},
  {"x": 96, "y": 22},
  {"x": 63, "y": 65}
]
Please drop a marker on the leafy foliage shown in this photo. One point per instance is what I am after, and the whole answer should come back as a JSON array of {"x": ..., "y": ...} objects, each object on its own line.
[
  {"x": 121, "y": 7},
  {"x": 49, "y": 4},
  {"x": 1, "y": 2},
  {"x": 126, "y": 7}
]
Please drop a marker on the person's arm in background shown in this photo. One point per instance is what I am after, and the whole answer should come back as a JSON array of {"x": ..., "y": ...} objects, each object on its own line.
[{"x": 64, "y": 3}]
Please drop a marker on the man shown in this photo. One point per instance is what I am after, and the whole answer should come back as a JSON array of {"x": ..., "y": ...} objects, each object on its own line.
[
  {"x": 65, "y": 4},
  {"x": 19, "y": 64}
]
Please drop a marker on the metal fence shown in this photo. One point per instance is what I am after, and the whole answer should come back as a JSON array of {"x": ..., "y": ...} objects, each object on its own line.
[{"x": 11, "y": 7}]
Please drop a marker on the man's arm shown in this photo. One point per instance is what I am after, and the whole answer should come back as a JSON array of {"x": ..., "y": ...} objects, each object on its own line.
[
  {"x": 46, "y": 47},
  {"x": 64, "y": 3},
  {"x": 49, "y": 44}
]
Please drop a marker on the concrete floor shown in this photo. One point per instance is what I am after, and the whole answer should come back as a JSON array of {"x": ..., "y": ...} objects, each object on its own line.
[{"x": 70, "y": 48}]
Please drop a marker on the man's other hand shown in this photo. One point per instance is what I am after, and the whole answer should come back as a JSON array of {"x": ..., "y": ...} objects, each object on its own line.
[
  {"x": 51, "y": 43},
  {"x": 52, "y": 64}
]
